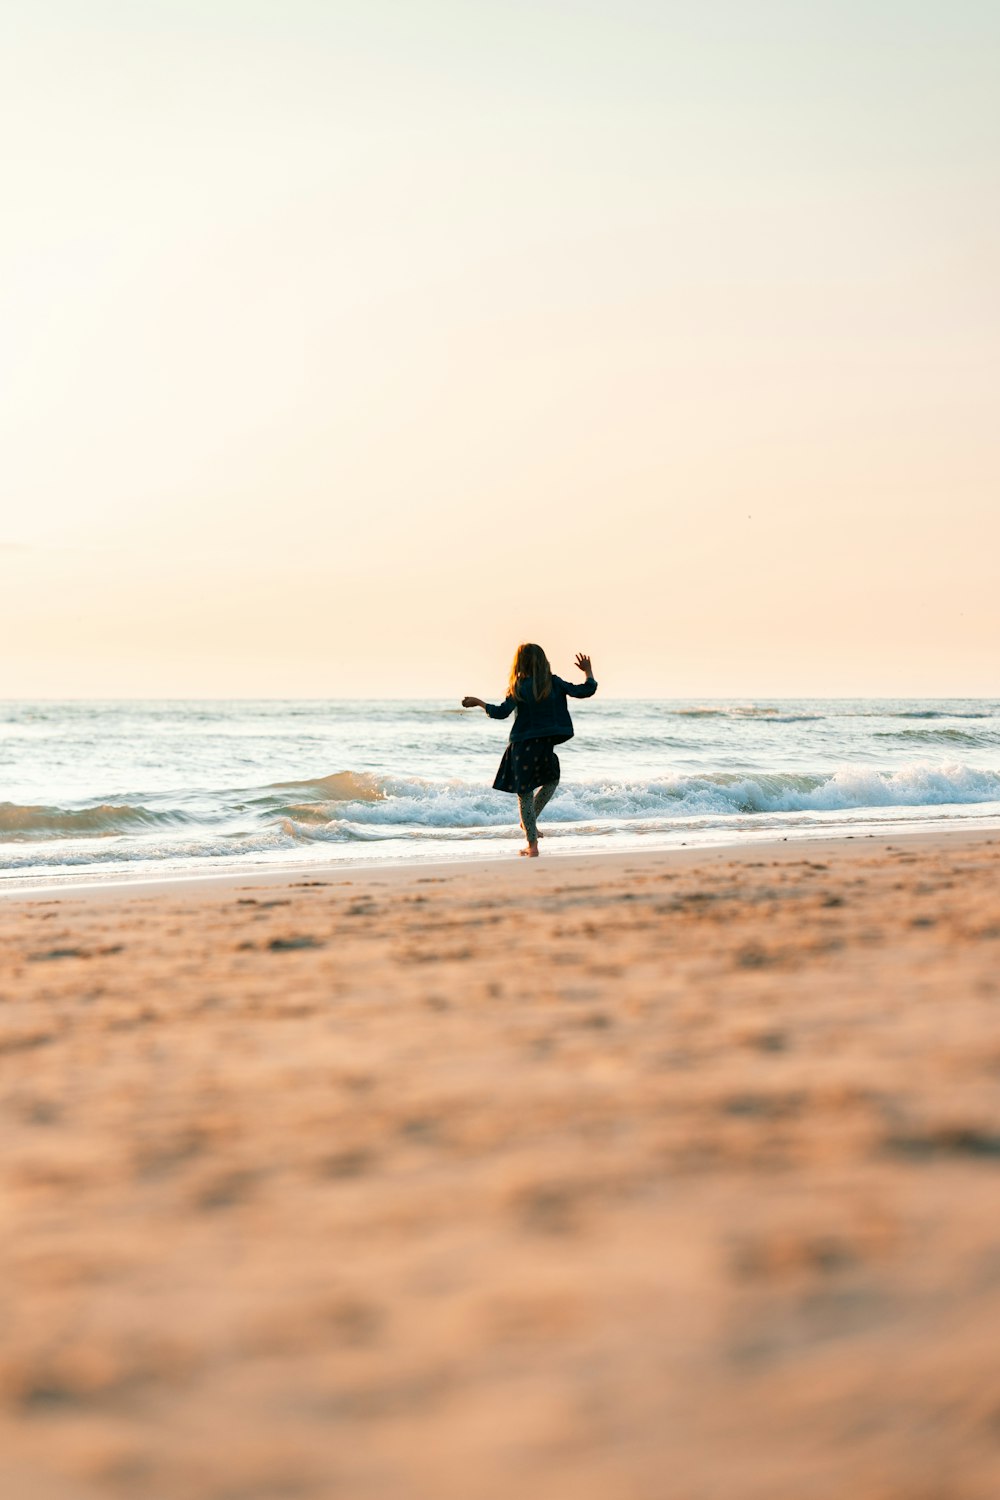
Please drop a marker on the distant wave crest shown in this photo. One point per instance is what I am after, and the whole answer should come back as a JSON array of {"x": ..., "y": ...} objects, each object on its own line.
[{"x": 939, "y": 735}]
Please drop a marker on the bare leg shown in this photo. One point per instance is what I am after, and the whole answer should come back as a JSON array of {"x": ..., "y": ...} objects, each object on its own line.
[{"x": 526, "y": 802}]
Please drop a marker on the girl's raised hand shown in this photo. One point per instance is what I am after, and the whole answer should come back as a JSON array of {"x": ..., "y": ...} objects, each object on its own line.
[
  {"x": 583, "y": 663},
  {"x": 472, "y": 703}
]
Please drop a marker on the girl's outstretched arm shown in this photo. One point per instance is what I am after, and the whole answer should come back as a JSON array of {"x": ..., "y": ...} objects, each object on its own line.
[{"x": 495, "y": 710}]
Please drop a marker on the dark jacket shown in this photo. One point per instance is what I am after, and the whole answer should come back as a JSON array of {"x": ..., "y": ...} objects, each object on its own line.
[{"x": 547, "y": 719}]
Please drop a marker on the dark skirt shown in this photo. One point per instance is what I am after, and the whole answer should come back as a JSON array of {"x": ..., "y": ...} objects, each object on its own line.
[{"x": 526, "y": 765}]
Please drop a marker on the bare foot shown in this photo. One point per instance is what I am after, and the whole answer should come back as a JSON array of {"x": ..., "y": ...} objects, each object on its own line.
[{"x": 531, "y": 852}]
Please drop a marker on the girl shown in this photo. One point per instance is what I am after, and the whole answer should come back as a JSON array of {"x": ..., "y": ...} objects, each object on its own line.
[{"x": 542, "y": 722}]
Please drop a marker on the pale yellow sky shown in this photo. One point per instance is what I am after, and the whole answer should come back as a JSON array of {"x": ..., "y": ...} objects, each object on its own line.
[{"x": 344, "y": 345}]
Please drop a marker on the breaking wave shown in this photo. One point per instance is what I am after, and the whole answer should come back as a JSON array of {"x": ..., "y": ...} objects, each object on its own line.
[
  {"x": 403, "y": 804},
  {"x": 342, "y": 786},
  {"x": 314, "y": 807},
  {"x": 104, "y": 820}
]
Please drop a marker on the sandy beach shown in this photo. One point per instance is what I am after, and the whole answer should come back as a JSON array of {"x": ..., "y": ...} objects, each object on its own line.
[{"x": 656, "y": 1177}]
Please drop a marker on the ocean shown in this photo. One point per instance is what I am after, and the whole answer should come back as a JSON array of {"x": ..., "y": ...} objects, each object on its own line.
[{"x": 120, "y": 790}]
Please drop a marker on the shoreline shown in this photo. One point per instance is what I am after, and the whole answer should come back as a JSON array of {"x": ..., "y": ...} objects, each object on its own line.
[{"x": 394, "y": 872}]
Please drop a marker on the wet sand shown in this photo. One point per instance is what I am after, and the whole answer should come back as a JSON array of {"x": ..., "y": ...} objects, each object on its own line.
[{"x": 646, "y": 1177}]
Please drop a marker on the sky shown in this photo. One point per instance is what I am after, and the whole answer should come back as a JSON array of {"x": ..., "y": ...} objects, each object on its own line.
[{"x": 345, "y": 345}]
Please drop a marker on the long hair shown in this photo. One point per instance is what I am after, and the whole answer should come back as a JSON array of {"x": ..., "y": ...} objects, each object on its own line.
[{"x": 530, "y": 663}]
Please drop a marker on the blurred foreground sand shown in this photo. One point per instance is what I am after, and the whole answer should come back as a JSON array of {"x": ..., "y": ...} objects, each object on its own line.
[{"x": 658, "y": 1177}]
